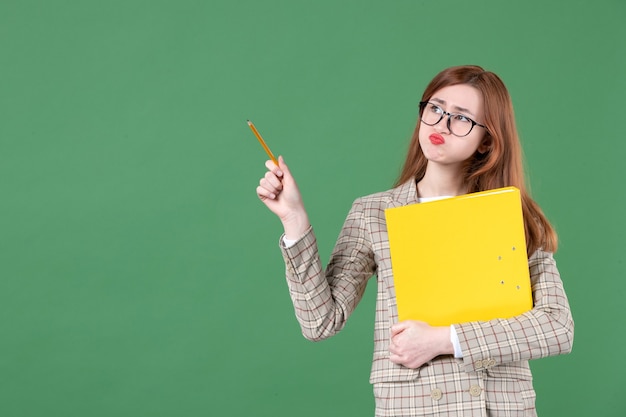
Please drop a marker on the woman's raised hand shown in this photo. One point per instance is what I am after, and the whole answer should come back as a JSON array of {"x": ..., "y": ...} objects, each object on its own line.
[{"x": 279, "y": 192}]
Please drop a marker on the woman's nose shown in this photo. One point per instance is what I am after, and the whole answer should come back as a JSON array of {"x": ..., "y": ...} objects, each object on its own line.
[{"x": 443, "y": 126}]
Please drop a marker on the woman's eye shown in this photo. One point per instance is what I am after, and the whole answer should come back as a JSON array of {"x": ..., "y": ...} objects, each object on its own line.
[
  {"x": 435, "y": 109},
  {"x": 461, "y": 118}
]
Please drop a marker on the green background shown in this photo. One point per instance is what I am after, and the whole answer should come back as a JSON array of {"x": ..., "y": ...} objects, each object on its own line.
[{"x": 140, "y": 275}]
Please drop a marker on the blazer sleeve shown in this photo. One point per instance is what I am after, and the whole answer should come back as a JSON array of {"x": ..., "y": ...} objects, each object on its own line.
[
  {"x": 324, "y": 299},
  {"x": 546, "y": 330}
]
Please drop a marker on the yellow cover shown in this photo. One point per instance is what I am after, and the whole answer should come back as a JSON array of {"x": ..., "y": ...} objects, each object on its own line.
[{"x": 460, "y": 259}]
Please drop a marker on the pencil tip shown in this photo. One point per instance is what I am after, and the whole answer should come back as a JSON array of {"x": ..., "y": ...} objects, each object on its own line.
[{"x": 249, "y": 122}]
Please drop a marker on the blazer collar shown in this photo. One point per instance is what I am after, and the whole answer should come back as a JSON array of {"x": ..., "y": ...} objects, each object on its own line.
[{"x": 404, "y": 194}]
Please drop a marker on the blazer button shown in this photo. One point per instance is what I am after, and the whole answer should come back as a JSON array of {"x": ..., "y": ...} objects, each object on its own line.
[
  {"x": 475, "y": 390},
  {"x": 436, "y": 394},
  {"x": 478, "y": 364}
]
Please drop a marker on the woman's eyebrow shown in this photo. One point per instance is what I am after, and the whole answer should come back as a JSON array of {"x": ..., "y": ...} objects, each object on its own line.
[
  {"x": 455, "y": 108},
  {"x": 463, "y": 110}
]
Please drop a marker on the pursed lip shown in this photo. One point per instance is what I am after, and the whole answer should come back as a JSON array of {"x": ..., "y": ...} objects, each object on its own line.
[{"x": 436, "y": 139}]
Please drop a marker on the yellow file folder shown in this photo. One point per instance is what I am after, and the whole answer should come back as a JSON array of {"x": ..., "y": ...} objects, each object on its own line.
[{"x": 460, "y": 259}]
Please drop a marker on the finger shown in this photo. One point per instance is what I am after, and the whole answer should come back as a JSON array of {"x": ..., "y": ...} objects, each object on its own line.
[
  {"x": 397, "y": 359},
  {"x": 264, "y": 193},
  {"x": 267, "y": 186},
  {"x": 284, "y": 167},
  {"x": 399, "y": 328},
  {"x": 271, "y": 183},
  {"x": 272, "y": 167},
  {"x": 272, "y": 180}
]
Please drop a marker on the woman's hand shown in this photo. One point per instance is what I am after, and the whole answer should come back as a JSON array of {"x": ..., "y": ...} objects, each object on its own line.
[
  {"x": 413, "y": 343},
  {"x": 279, "y": 192}
]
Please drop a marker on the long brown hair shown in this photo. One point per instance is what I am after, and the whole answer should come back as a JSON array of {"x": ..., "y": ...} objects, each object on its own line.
[{"x": 501, "y": 166}]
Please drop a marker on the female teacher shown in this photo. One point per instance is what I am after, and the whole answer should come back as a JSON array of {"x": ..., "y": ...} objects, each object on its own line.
[{"x": 465, "y": 141}]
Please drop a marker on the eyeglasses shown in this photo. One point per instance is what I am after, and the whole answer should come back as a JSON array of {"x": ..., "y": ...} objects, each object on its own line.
[{"x": 458, "y": 124}]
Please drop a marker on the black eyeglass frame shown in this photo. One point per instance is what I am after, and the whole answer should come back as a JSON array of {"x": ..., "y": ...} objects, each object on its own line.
[{"x": 445, "y": 113}]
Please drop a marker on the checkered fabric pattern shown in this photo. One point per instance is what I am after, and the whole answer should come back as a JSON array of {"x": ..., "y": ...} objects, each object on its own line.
[{"x": 492, "y": 379}]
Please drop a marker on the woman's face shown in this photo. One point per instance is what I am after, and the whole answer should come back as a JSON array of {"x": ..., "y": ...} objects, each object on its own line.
[{"x": 438, "y": 143}]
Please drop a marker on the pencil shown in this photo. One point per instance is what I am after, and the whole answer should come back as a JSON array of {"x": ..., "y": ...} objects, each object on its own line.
[{"x": 262, "y": 142}]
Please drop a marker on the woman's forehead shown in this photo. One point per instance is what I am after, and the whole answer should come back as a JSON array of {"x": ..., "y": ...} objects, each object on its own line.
[{"x": 461, "y": 98}]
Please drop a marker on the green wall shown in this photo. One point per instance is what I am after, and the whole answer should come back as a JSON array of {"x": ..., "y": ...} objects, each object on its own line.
[{"x": 140, "y": 275}]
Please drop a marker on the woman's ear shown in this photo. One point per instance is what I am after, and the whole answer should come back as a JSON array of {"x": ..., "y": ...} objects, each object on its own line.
[{"x": 485, "y": 145}]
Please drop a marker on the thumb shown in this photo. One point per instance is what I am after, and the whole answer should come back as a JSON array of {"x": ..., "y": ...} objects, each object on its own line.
[
  {"x": 284, "y": 168},
  {"x": 399, "y": 328}
]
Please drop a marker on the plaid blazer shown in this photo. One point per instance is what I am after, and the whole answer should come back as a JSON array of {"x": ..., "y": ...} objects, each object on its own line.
[{"x": 493, "y": 377}]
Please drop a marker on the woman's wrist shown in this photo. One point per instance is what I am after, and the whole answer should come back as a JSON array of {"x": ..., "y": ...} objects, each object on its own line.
[
  {"x": 296, "y": 224},
  {"x": 447, "y": 348}
]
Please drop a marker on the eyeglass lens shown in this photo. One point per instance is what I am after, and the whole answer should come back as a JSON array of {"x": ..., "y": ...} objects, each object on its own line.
[{"x": 458, "y": 124}]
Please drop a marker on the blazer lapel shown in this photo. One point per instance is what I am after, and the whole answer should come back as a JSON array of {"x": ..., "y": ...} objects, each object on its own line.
[{"x": 403, "y": 195}]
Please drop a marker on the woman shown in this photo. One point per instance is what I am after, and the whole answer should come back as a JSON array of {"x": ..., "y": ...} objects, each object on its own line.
[{"x": 465, "y": 141}]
